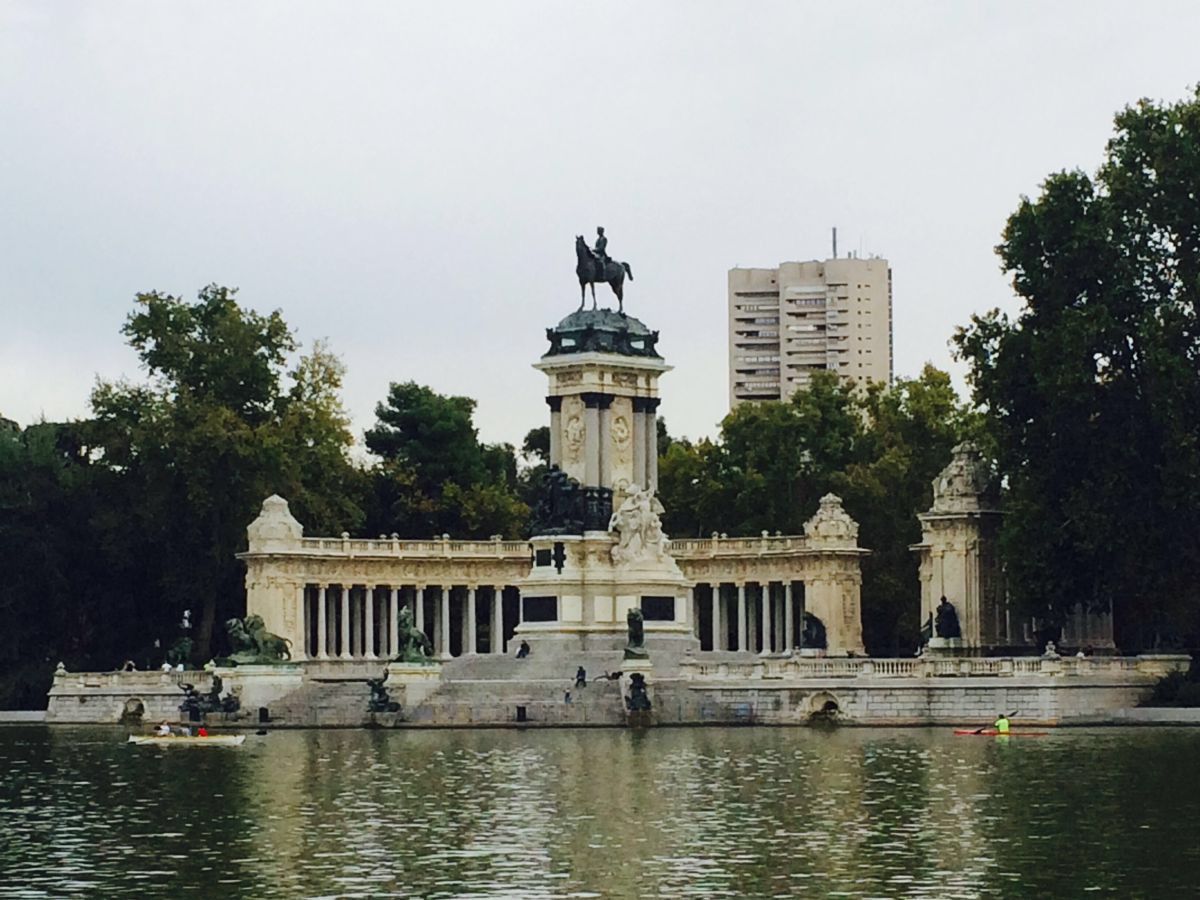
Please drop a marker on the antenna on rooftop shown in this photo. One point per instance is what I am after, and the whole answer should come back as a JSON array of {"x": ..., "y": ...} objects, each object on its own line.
[{"x": 835, "y": 242}]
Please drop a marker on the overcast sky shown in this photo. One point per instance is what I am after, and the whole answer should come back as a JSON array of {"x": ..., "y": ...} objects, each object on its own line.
[{"x": 406, "y": 180}]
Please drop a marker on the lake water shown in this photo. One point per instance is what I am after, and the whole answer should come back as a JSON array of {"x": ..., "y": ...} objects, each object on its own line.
[{"x": 590, "y": 813}]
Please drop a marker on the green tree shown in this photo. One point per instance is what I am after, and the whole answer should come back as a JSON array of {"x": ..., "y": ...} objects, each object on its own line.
[
  {"x": 210, "y": 436},
  {"x": 536, "y": 446},
  {"x": 879, "y": 450},
  {"x": 55, "y": 579},
  {"x": 909, "y": 432},
  {"x": 435, "y": 476},
  {"x": 1092, "y": 391}
]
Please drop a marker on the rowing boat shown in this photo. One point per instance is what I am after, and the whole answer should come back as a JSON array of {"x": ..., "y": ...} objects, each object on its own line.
[
  {"x": 992, "y": 732},
  {"x": 179, "y": 740}
]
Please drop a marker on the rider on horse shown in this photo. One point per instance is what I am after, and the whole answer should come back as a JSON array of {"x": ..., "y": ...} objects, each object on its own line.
[{"x": 601, "y": 253}]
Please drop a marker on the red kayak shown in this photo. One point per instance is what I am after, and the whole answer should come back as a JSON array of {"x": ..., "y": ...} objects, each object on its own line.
[{"x": 992, "y": 732}]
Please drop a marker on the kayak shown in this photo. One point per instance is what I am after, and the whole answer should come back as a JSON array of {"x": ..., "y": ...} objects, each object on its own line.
[
  {"x": 178, "y": 740},
  {"x": 992, "y": 732}
]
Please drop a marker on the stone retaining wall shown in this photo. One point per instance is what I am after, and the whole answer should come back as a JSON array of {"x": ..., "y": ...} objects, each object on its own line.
[
  {"x": 728, "y": 691},
  {"x": 104, "y": 697},
  {"x": 895, "y": 702}
]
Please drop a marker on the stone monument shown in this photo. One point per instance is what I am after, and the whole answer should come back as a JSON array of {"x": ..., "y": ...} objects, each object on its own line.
[
  {"x": 599, "y": 550},
  {"x": 959, "y": 562}
]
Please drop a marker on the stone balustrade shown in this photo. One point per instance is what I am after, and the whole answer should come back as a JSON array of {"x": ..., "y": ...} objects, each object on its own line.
[
  {"x": 798, "y": 668},
  {"x": 443, "y": 547},
  {"x": 720, "y": 545},
  {"x": 131, "y": 680}
]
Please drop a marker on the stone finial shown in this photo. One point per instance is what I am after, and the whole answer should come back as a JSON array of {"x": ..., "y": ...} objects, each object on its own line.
[
  {"x": 60, "y": 669},
  {"x": 832, "y": 526},
  {"x": 275, "y": 528},
  {"x": 963, "y": 485}
]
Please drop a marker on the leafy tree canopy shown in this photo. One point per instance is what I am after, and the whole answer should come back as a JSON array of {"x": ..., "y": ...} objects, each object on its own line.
[
  {"x": 436, "y": 477},
  {"x": 1092, "y": 390},
  {"x": 879, "y": 450},
  {"x": 213, "y": 433}
]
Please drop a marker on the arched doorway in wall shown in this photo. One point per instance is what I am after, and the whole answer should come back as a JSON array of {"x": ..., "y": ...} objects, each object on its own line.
[
  {"x": 134, "y": 711},
  {"x": 823, "y": 705}
]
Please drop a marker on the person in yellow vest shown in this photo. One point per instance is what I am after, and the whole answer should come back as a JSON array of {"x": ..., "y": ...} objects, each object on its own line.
[{"x": 1001, "y": 724}]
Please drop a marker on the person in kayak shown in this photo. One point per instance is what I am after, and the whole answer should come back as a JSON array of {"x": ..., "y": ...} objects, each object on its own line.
[{"x": 1001, "y": 724}]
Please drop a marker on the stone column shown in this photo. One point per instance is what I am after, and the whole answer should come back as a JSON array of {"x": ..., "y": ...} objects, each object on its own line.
[
  {"x": 355, "y": 626},
  {"x": 652, "y": 442},
  {"x": 498, "y": 618},
  {"x": 741, "y": 615},
  {"x": 764, "y": 615},
  {"x": 394, "y": 622},
  {"x": 490, "y": 609},
  {"x": 639, "y": 443},
  {"x": 345, "y": 592},
  {"x": 725, "y": 610},
  {"x": 604, "y": 439},
  {"x": 444, "y": 650},
  {"x": 322, "y": 623},
  {"x": 779, "y": 618},
  {"x": 591, "y": 439},
  {"x": 470, "y": 645},
  {"x": 555, "y": 404},
  {"x": 789, "y": 621},
  {"x": 369, "y": 612},
  {"x": 716, "y": 616},
  {"x": 419, "y": 612}
]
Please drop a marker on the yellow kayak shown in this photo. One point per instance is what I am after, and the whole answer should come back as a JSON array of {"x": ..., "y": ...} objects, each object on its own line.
[{"x": 179, "y": 740}]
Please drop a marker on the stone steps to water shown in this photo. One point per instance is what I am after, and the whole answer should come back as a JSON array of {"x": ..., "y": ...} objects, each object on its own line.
[
  {"x": 341, "y": 702},
  {"x": 495, "y": 702},
  {"x": 536, "y": 667}
]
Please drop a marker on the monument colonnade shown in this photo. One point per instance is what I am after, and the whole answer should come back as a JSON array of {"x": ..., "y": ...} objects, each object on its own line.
[
  {"x": 361, "y": 621},
  {"x": 341, "y": 598}
]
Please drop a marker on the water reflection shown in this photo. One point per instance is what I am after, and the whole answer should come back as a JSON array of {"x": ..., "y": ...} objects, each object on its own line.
[{"x": 669, "y": 812}]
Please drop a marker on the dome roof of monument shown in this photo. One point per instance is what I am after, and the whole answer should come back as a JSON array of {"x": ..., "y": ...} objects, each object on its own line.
[{"x": 601, "y": 331}]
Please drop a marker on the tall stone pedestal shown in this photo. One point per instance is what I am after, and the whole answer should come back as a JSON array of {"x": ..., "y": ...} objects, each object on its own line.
[
  {"x": 410, "y": 683},
  {"x": 599, "y": 550},
  {"x": 577, "y": 597},
  {"x": 260, "y": 685}
]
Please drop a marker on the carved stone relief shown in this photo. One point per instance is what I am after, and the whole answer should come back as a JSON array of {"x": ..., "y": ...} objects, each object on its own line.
[
  {"x": 574, "y": 429},
  {"x": 621, "y": 433}
]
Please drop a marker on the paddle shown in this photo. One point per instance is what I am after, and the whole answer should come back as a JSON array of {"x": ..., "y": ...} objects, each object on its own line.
[{"x": 982, "y": 728}]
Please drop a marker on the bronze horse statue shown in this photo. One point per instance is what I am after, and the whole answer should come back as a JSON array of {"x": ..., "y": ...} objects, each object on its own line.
[{"x": 587, "y": 267}]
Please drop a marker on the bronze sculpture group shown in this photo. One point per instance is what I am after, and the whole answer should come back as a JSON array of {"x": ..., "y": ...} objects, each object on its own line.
[
  {"x": 413, "y": 645},
  {"x": 252, "y": 644}
]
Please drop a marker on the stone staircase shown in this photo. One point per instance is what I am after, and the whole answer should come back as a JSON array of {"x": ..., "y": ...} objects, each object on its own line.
[
  {"x": 492, "y": 690},
  {"x": 323, "y": 703}
]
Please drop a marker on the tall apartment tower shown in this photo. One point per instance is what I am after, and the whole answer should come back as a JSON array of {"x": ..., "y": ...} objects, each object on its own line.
[{"x": 785, "y": 323}]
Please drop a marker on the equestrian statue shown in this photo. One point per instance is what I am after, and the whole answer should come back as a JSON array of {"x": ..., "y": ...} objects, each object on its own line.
[{"x": 594, "y": 266}]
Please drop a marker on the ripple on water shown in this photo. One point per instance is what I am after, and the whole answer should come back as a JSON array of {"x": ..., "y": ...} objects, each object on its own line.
[{"x": 673, "y": 812}]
